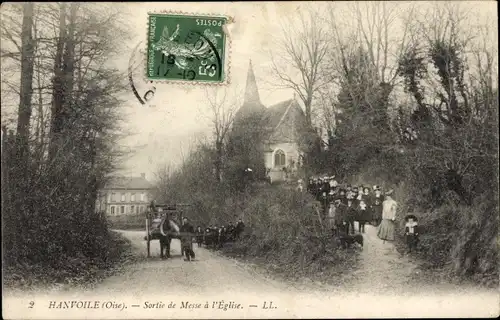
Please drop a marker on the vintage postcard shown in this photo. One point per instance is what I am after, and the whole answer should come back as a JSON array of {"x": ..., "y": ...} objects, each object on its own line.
[{"x": 257, "y": 160}]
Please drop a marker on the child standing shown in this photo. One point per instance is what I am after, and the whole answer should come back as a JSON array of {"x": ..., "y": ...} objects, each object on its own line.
[
  {"x": 376, "y": 203},
  {"x": 411, "y": 232},
  {"x": 364, "y": 216}
]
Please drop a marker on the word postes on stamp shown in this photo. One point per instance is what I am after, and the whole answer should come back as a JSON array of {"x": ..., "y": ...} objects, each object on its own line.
[{"x": 186, "y": 48}]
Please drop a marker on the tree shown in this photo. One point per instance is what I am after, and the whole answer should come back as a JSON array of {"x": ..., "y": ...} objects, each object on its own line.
[
  {"x": 223, "y": 110},
  {"x": 66, "y": 47},
  {"x": 27, "y": 60},
  {"x": 379, "y": 30},
  {"x": 455, "y": 100},
  {"x": 303, "y": 46},
  {"x": 245, "y": 149},
  {"x": 163, "y": 175}
]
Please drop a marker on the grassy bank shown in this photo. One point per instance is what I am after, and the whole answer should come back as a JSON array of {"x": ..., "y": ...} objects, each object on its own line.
[
  {"x": 285, "y": 236},
  {"x": 74, "y": 271},
  {"x": 459, "y": 243}
]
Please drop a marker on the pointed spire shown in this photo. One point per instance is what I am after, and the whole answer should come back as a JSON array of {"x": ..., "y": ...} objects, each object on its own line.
[{"x": 252, "y": 98}]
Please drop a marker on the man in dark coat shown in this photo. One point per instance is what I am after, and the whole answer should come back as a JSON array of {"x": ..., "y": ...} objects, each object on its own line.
[
  {"x": 214, "y": 234},
  {"x": 207, "y": 236},
  {"x": 222, "y": 236},
  {"x": 310, "y": 186},
  {"x": 340, "y": 217},
  {"x": 326, "y": 185},
  {"x": 187, "y": 232},
  {"x": 199, "y": 236},
  {"x": 240, "y": 226},
  {"x": 354, "y": 196},
  {"x": 230, "y": 231},
  {"x": 350, "y": 216},
  {"x": 318, "y": 190}
]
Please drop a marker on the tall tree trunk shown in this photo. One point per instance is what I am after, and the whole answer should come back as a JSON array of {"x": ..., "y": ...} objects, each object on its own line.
[
  {"x": 19, "y": 184},
  {"x": 26, "y": 90},
  {"x": 40, "y": 129},
  {"x": 57, "y": 93},
  {"x": 69, "y": 57},
  {"x": 218, "y": 160},
  {"x": 64, "y": 68}
]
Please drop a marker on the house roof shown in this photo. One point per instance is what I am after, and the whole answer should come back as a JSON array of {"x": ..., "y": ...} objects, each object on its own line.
[{"x": 120, "y": 182}]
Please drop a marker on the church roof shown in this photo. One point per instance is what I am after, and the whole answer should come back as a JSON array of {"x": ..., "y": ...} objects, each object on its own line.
[
  {"x": 284, "y": 112},
  {"x": 276, "y": 112}
]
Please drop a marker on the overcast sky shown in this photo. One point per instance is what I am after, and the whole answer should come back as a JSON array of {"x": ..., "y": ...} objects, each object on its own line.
[
  {"x": 161, "y": 134},
  {"x": 181, "y": 113}
]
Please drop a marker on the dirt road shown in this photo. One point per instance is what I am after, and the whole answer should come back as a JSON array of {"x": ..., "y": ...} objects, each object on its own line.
[
  {"x": 383, "y": 286},
  {"x": 209, "y": 273}
]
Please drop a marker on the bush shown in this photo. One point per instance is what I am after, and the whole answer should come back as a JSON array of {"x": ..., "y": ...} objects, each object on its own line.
[
  {"x": 127, "y": 222},
  {"x": 284, "y": 232},
  {"x": 70, "y": 270},
  {"x": 458, "y": 240}
]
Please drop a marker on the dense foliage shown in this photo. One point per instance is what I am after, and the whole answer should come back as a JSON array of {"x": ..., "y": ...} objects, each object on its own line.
[
  {"x": 438, "y": 148},
  {"x": 65, "y": 144},
  {"x": 282, "y": 227}
]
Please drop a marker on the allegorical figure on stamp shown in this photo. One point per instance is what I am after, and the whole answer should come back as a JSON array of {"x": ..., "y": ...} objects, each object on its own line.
[
  {"x": 185, "y": 53},
  {"x": 183, "y": 47}
]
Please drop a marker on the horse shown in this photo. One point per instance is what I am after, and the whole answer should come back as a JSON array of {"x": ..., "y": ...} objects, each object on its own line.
[{"x": 168, "y": 230}]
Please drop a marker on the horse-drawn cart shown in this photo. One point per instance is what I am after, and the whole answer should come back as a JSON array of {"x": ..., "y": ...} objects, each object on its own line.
[{"x": 157, "y": 215}]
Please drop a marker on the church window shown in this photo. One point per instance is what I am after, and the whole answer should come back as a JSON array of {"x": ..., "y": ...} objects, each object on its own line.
[{"x": 279, "y": 158}]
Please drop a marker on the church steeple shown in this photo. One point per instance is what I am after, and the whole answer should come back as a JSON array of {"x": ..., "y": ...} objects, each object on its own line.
[
  {"x": 251, "y": 91},
  {"x": 251, "y": 103}
]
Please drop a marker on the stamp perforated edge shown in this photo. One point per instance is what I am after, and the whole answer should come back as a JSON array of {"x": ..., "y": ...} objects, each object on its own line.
[{"x": 228, "y": 51}]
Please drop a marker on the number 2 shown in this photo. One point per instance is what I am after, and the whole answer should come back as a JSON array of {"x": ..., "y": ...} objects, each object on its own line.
[{"x": 32, "y": 303}]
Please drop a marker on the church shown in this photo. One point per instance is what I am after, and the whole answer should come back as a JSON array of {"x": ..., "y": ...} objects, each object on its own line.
[{"x": 284, "y": 121}]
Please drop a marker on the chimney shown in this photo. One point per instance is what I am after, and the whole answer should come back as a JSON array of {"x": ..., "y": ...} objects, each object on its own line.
[{"x": 143, "y": 175}]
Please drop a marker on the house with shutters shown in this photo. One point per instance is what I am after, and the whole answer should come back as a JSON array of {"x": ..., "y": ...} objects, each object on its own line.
[
  {"x": 284, "y": 121},
  {"x": 125, "y": 196}
]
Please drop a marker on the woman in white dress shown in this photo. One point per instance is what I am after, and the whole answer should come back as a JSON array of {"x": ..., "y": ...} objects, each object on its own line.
[{"x": 387, "y": 227}]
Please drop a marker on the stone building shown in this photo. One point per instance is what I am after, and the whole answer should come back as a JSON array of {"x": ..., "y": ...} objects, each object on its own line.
[
  {"x": 284, "y": 122},
  {"x": 125, "y": 196}
]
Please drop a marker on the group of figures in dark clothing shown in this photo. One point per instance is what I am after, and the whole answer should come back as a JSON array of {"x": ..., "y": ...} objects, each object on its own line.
[
  {"x": 348, "y": 204},
  {"x": 212, "y": 236},
  {"x": 164, "y": 227},
  {"x": 215, "y": 237},
  {"x": 345, "y": 205}
]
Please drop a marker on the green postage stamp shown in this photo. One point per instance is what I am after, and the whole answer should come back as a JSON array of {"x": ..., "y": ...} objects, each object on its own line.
[{"x": 186, "y": 48}]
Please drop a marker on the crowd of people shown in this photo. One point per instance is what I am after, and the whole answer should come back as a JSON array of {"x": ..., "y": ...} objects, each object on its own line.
[
  {"x": 216, "y": 236},
  {"x": 343, "y": 205},
  {"x": 347, "y": 204},
  {"x": 212, "y": 236}
]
